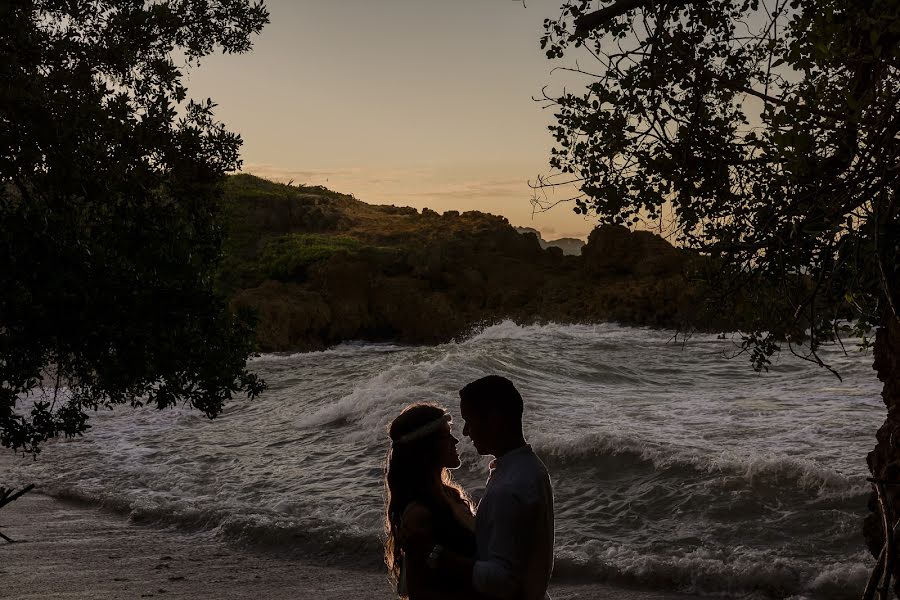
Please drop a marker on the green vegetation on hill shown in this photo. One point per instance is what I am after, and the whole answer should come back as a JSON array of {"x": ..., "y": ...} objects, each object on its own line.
[
  {"x": 287, "y": 257},
  {"x": 319, "y": 267}
]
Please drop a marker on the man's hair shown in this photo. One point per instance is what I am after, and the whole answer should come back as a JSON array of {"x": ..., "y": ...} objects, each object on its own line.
[{"x": 493, "y": 394}]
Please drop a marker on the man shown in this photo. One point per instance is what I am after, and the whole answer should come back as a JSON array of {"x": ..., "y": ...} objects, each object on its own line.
[{"x": 514, "y": 521}]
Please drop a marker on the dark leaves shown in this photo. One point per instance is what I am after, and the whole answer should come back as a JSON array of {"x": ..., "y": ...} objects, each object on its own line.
[
  {"x": 767, "y": 132},
  {"x": 110, "y": 207}
]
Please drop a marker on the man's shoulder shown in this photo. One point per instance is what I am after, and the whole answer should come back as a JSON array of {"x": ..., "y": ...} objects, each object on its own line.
[
  {"x": 534, "y": 468},
  {"x": 524, "y": 482},
  {"x": 537, "y": 462},
  {"x": 535, "y": 481}
]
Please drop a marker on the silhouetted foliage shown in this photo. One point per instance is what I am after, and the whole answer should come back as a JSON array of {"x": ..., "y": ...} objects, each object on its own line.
[
  {"x": 762, "y": 134},
  {"x": 110, "y": 210}
]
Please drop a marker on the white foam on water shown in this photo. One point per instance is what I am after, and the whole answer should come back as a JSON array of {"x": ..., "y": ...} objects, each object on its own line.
[
  {"x": 769, "y": 467},
  {"x": 743, "y": 572},
  {"x": 374, "y": 402}
]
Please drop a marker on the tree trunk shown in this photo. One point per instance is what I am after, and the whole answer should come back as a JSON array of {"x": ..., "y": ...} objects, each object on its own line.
[{"x": 884, "y": 460}]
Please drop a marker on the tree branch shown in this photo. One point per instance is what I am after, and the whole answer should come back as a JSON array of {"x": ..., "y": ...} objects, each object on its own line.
[{"x": 587, "y": 23}]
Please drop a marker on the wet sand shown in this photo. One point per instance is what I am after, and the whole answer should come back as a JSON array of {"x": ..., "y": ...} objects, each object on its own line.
[{"x": 71, "y": 550}]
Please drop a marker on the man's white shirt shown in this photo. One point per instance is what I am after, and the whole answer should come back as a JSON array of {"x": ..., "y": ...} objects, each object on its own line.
[{"x": 514, "y": 529}]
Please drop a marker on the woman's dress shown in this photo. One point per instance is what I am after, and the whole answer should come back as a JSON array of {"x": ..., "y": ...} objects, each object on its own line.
[{"x": 451, "y": 527}]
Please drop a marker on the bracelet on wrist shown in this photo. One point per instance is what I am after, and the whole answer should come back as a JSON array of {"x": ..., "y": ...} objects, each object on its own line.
[{"x": 433, "y": 556}]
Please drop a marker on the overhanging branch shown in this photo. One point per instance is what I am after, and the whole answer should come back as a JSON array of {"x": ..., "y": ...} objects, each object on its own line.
[{"x": 587, "y": 23}]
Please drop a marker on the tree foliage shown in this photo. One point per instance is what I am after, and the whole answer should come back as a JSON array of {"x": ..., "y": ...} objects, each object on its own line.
[
  {"x": 110, "y": 187},
  {"x": 765, "y": 134}
]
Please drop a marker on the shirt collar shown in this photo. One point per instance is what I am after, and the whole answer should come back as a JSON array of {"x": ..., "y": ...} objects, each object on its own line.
[{"x": 510, "y": 456}]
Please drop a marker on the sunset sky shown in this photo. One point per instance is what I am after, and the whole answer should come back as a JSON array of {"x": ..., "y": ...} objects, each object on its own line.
[{"x": 424, "y": 103}]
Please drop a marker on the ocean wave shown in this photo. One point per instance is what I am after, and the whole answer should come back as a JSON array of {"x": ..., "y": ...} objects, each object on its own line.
[
  {"x": 509, "y": 330},
  {"x": 753, "y": 469},
  {"x": 315, "y": 531},
  {"x": 736, "y": 572},
  {"x": 344, "y": 349},
  {"x": 376, "y": 400}
]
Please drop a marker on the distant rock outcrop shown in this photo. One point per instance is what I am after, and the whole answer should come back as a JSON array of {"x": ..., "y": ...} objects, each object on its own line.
[
  {"x": 320, "y": 267},
  {"x": 615, "y": 250},
  {"x": 569, "y": 246}
]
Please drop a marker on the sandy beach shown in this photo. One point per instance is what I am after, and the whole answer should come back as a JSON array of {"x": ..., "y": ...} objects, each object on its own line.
[{"x": 66, "y": 549}]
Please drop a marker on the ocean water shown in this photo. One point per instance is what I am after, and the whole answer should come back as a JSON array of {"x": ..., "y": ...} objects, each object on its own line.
[{"x": 674, "y": 466}]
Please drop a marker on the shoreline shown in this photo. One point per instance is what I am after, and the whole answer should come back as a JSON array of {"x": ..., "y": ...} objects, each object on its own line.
[{"x": 68, "y": 549}]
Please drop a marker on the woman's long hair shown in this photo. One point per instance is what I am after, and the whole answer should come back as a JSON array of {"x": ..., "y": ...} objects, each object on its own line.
[{"x": 409, "y": 477}]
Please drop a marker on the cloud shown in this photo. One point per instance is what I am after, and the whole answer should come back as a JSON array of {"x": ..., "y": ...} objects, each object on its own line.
[
  {"x": 355, "y": 180},
  {"x": 276, "y": 173},
  {"x": 413, "y": 184},
  {"x": 484, "y": 189}
]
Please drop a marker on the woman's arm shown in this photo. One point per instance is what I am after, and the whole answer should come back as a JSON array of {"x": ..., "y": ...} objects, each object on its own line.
[
  {"x": 416, "y": 538},
  {"x": 458, "y": 567}
]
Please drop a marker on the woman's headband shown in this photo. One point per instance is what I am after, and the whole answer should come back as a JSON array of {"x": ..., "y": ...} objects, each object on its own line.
[{"x": 426, "y": 429}]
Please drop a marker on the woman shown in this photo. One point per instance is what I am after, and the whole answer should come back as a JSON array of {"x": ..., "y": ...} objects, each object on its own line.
[{"x": 427, "y": 513}]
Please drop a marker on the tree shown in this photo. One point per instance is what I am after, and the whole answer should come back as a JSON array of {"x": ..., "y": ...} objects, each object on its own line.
[
  {"x": 763, "y": 134},
  {"x": 109, "y": 204}
]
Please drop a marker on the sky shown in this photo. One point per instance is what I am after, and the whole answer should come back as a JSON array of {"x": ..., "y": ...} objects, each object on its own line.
[{"x": 423, "y": 103}]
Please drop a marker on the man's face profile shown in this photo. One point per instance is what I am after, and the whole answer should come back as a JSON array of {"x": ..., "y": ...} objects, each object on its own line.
[{"x": 477, "y": 428}]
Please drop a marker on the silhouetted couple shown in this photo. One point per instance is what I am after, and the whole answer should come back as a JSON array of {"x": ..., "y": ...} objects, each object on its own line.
[{"x": 437, "y": 546}]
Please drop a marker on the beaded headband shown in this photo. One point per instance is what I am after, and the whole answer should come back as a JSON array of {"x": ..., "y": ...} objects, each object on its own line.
[{"x": 424, "y": 430}]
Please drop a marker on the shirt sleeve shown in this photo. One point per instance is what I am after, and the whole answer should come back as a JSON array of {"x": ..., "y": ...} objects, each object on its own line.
[{"x": 502, "y": 573}]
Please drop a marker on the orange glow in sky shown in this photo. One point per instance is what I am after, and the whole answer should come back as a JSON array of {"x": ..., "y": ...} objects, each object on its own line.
[{"x": 424, "y": 103}]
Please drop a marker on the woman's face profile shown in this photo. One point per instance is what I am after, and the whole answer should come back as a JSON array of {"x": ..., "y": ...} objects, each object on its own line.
[{"x": 447, "y": 447}]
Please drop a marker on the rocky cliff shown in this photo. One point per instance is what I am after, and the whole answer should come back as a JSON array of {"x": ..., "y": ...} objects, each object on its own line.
[{"x": 320, "y": 267}]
